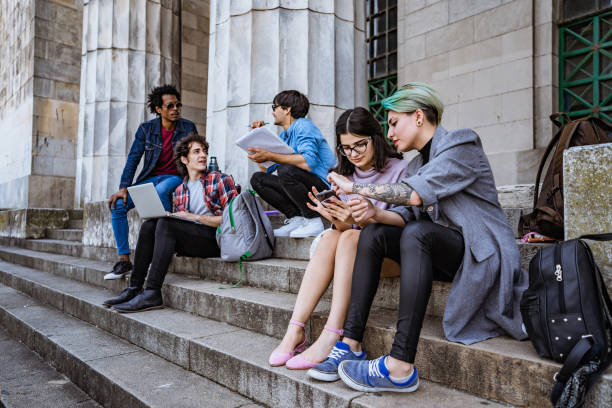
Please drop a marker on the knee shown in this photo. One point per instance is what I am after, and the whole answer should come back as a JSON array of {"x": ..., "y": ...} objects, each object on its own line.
[
  {"x": 119, "y": 210},
  {"x": 148, "y": 227},
  {"x": 286, "y": 171},
  {"x": 415, "y": 233},
  {"x": 349, "y": 238},
  {"x": 256, "y": 179}
]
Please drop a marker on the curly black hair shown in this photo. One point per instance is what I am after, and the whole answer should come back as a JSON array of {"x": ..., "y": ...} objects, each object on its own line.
[
  {"x": 182, "y": 150},
  {"x": 154, "y": 99}
]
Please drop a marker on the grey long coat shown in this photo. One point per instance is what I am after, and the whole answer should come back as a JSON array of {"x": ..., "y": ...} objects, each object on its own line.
[{"x": 458, "y": 189}]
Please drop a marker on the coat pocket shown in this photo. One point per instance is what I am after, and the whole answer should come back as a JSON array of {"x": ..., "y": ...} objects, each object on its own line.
[{"x": 481, "y": 251}]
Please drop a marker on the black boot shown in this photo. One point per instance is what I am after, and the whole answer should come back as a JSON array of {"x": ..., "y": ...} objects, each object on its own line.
[
  {"x": 125, "y": 296},
  {"x": 147, "y": 300}
]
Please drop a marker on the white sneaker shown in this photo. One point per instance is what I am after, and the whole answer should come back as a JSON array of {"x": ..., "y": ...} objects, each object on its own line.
[
  {"x": 290, "y": 225},
  {"x": 310, "y": 228}
]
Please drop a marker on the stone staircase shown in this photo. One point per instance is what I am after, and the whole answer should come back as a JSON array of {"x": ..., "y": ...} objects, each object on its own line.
[{"x": 210, "y": 346}]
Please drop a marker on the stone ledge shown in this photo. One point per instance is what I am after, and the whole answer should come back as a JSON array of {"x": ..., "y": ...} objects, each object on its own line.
[
  {"x": 31, "y": 222},
  {"x": 587, "y": 190}
]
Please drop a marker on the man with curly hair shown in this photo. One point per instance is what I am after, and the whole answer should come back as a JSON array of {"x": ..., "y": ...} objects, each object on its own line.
[
  {"x": 155, "y": 139},
  {"x": 201, "y": 197}
]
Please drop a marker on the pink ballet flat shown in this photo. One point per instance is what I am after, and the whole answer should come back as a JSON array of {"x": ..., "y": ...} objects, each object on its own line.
[
  {"x": 300, "y": 363},
  {"x": 278, "y": 359}
]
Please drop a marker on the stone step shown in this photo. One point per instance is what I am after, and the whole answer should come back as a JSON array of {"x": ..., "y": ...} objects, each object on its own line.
[
  {"x": 225, "y": 354},
  {"x": 500, "y": 368},
  {"x": 27, "y": 381},
  {"x": 75, "y": 214},
  {"x": 65, "y": 234},
  {"x": 75, "y": 224},
  {"x": 284, "y": 275},
  {"x": 273, "y": 274},
  {"x": 111, "y": 370}
]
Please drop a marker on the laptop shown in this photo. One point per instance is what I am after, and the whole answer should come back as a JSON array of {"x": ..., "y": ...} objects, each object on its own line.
[{"x": 149, "y": 205}]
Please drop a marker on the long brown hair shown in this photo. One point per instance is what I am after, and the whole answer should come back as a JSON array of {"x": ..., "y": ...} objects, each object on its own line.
[{"x": 361, "y": 122}]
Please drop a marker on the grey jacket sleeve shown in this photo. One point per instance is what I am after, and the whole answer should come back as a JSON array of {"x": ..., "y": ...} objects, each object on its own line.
[
  {"x": 406, "y": 213},
  {"x": 452, "y": 169}
]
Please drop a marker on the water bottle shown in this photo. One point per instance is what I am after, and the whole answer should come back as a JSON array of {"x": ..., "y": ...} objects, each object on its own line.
[{"x": 213, "y": 165}]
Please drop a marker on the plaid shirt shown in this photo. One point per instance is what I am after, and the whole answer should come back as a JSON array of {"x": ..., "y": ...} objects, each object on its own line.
[{"x": 219, "y": 190}]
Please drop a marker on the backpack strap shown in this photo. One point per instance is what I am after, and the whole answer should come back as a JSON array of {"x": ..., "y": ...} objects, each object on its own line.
[
  {"x": 572, "y": 363},
  {"x": 597, "y": 237}
]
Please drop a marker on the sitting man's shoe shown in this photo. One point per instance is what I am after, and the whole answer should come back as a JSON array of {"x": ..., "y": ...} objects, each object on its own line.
[
  {"x": 119, "y": 270},
  {"x": 373, "y": 375},
  {"x": 125, "y": 296},
  {"x": 328, "y": 370},
  {"x": 147, "y": 300},
  {"x": 310, "y": 228},
  {"x": 290, "y": 225}
]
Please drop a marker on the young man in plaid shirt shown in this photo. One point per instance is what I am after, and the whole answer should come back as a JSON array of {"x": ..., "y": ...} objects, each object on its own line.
[{"x": 201, "y": 197}]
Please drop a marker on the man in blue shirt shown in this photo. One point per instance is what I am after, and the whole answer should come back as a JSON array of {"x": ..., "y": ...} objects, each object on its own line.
[
  {"x": 155, "y": 140},
  {"x": 296, "y": 173}
]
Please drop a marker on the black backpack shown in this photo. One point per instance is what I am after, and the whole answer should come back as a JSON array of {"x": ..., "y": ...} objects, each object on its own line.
[{"x": 567, "y": 312}]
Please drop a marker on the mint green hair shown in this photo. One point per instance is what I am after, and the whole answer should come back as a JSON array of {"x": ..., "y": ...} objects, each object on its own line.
[{"x": 413, "y": 96}]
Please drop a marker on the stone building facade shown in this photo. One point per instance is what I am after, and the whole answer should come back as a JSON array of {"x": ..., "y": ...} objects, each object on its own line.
[
  {"x": 75, "y": 74},
  {"x": 39, "y": 101}
]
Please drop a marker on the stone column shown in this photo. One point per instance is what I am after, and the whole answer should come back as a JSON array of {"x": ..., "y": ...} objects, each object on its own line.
[
  {"x": 587, "y": 193},
  {"x": 259, "y": 48},
  {"x": 129, "y": 46}
]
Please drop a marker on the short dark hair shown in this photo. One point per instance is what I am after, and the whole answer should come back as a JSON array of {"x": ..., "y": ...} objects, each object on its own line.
[
  {"x": 361, "y": 122},
  {"x": 293, "y": 99},
  {"x": 182, "y": 150},
  {"x": 154, "y": 99}
]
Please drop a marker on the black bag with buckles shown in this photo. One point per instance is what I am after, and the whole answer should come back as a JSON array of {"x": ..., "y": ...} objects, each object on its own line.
[{"x": 567, "y": 313}]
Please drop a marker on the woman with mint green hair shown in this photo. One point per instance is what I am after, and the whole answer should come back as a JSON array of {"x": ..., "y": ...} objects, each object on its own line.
[{"x": 447, "y": 225}]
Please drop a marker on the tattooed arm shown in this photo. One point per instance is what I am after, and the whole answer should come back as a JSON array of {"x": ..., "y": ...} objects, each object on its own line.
[{"x": 393, "y": 193}]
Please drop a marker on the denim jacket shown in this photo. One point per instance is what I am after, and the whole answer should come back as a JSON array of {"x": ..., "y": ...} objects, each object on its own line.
[{"x": 149, "y": 141}]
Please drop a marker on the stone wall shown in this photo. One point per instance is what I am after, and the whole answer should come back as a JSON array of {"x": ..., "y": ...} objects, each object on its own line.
[
  {"x": 587, "y": 191},
  {"x": 195, "y": 28},
  {"x": 16, "y": 100},
  {"x": 39, "y": 95},
  {"x": 56, "y": 102},
  {"x": 492, "y": 62}
]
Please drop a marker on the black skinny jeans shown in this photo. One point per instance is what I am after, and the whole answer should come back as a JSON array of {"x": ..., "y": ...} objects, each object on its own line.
[
  {"x": 288, "y": 192},
  {"x": 159, "y": 239},
  {"x": 425, "y": 251}
]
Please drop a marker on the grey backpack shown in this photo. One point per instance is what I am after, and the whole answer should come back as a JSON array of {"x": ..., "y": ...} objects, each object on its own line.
[{"x": 245, "y": 231}]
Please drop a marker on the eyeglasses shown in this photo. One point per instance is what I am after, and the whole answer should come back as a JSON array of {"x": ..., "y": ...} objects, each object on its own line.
[
  {"x": 172, "y": 105},
  {"x": 359, "y": 147},
  {"x": 274, "y": 106}
]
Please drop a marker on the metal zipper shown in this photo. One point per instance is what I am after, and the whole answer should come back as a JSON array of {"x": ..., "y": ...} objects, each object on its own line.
[{"x": 559, "y": 277}]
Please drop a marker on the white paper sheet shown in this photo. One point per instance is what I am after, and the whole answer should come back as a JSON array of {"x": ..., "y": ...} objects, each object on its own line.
[{"x": 264, "y": 139}]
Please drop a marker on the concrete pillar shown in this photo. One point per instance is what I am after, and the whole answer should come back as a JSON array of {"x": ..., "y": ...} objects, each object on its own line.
[
  {"x": 259, "y": 48},
  {"x": 587, "y": 193},
  {"x": 129, "y": 46}
]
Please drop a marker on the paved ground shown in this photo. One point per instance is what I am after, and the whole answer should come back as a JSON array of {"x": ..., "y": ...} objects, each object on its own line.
[{"x": 26, "y": 381}]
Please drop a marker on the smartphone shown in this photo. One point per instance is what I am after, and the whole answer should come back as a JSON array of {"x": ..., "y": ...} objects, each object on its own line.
[{"x": 325, "y": 195}]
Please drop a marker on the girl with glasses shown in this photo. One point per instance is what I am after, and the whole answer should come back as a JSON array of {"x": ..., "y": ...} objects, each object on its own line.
[{"x": 364, "y": 156}]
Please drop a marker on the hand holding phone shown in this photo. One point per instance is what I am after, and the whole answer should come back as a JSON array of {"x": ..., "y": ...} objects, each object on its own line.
[{"x": 325, "y": 195}]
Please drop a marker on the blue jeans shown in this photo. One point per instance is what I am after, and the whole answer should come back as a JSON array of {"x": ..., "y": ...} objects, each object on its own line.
[{"x": 164, "y": 184}]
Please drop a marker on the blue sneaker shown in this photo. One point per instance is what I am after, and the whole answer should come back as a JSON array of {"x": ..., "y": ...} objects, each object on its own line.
[
  {"x": 328, "y": 370},
  {"x": 370, "y": 376}
]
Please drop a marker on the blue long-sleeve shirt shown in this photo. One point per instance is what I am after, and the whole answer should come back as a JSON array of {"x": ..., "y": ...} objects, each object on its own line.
[{"x": 306, "y": 139}]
